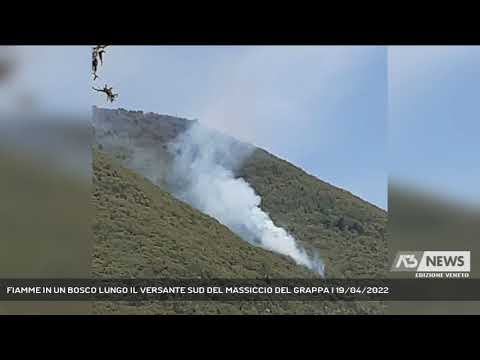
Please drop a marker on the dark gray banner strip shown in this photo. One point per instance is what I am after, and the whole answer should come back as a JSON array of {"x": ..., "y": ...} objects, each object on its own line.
[{"x": 239, "y": 290}]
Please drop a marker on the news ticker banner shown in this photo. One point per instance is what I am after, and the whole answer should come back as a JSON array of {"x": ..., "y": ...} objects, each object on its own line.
[{"x": 239, "y": 290}]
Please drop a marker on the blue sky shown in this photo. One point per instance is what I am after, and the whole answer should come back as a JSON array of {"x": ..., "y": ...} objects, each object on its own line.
[
  {"x": 322, "y": 108},
  {"x": 434, "y": 124}
]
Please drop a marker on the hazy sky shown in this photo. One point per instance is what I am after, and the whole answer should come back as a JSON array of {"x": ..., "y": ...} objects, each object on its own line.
[{"x": 322, "y": 108}]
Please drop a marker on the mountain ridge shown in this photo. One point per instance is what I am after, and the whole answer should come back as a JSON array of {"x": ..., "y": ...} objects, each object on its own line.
[
  {"x": 348, "y": 232},
  {"x": 187, "y": 120}
]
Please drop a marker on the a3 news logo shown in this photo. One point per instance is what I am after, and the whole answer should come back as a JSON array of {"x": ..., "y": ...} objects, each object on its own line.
[{"x": 433, "y": 263}]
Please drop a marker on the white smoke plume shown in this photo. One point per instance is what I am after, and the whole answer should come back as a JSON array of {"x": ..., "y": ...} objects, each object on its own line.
[{"x": 202, "y": 175}]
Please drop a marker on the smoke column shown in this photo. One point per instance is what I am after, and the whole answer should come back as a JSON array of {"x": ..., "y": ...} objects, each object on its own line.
[{"x": 202, "y": 175}]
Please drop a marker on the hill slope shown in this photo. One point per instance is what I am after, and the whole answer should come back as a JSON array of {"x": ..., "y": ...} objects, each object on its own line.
[
  {"x": 142, "y": 231},
  {"x": 348, "y": 232}
]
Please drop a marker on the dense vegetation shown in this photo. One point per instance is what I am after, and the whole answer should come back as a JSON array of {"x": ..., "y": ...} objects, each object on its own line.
[{"x": 142, "y": 231}]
